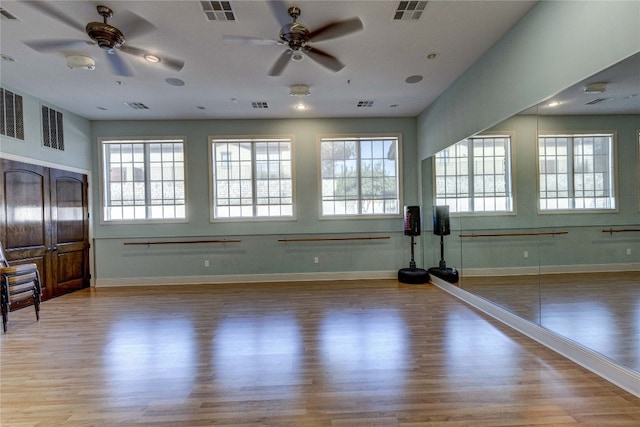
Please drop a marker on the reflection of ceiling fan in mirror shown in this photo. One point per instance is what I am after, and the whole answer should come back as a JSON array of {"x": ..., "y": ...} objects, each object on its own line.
[
  {"x": 109, "y": 38},
  {"x": 296, "y": 37}
]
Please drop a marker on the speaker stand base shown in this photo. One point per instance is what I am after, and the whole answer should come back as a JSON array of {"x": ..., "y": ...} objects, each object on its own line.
[
  {"x": 414, "y": 276},
  {"x": 447, "y": 274}
]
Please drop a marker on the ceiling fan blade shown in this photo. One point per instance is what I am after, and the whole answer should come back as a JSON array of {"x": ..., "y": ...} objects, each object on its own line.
[
  {"x": 324, "y": 59},
  {"x": 249, "y": 40},
  {"x": 279, "y": 9},
  {"x": 45, "y": 46},
  {"x": 336, "y": 29},
  {"x": 47, "y": 9},
  {"x": 118, "y": 65},
  {"x": 173, "y": 63},
  {"x": 278, "y": 67},
  {"x": 132, "y": 25}
]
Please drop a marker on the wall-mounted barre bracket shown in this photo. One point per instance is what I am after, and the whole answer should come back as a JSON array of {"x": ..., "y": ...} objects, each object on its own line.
[
  {"x": 182, "y": 242},
  {"x": 621, "y": 230},
  {"x": 542, "y": 233},
  {"x": 326, "y": 239}
]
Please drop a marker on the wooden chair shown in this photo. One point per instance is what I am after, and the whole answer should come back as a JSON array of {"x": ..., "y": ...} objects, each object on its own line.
[{"x": 19, "y": 283}]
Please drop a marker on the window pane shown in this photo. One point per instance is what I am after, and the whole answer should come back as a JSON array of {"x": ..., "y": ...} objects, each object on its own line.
[
  {"x": 362, "y": 172},
  {"x": 576, "y": 172},
  {"x": 486, "y": 186},
  {"x": 253, "y": 177},
  {"x": 143, "y": 173}
]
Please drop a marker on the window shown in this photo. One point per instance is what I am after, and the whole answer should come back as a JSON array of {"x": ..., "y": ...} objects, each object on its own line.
[
  {"x": 576, "y": 172},
  {"x": 474, "y": 175},
  {"x": 360, "y": 176},
  {"x": 143, "y": 179},
  {"x": 252, "y": 177}
]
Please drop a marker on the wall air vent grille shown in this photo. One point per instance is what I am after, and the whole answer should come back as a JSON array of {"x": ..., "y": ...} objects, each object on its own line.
[
  {"x": 11, "y": 114},
  {"x": 52, "y": 129},
  {"x": 218, "y": 10}
]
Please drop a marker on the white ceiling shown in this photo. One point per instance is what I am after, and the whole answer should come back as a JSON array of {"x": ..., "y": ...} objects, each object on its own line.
[{"x": 222, "y": 80}]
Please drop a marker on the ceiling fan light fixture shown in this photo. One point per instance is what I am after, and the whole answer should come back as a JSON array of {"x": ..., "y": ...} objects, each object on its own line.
[
  {"x": 81, "y": 62},
  {"x": 297, "y": 56},
  {"x": 299, "y": 90},
  {"x": 152, "y": 58}
]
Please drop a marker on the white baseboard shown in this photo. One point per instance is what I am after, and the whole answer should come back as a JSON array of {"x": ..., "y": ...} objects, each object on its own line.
[
  {"x": 549, "y": 269},
  {"x": 606, "y": 368},
  {"x": 245, "y": 278}
]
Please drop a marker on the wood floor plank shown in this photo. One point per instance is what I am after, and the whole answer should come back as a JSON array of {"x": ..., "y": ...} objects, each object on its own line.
[{"x": 339, "y": 354}]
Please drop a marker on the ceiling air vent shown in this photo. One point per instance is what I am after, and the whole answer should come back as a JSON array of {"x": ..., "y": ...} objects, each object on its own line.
[
  {"x": 137, "y": 105},
  {"x": 6, "y": 15},
  {"x": 362, "y": 104},
  {"x": 409, "y": 10},
  {"x": 259, "y": 104},
  {"x": 599, "y": 101},
  {"x": 218, "y": 10}
]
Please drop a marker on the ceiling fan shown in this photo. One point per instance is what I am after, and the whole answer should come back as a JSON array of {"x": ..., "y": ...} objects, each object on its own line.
[
  {"x": 296, "y": 37},
  {"x": 106, "y": 36}
]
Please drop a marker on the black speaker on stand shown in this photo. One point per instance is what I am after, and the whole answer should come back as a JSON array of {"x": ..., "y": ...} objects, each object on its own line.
[
  {"x": 412, "y": 274},
  {"x": 441, "y": 228}
]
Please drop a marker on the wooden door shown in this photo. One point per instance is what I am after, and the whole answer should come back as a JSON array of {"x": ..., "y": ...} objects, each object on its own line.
[
  {"x": 43, "y": 219},
  {"x": 69, "y": 231}
]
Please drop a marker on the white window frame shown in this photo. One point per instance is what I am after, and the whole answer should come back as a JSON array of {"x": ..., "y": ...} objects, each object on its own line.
[
  {"x": 147, "y": 209},
  {"x": 571, "y": 196},
  {"x": 470, "y": 175},
  {"x": 358, "y": 198},
  {"x": 252, "y": 208}
]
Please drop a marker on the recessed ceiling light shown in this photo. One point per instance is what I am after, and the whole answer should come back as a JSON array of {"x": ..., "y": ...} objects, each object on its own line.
[
  {"x": 300, "y": 107},
  {"x": 597, "y": 87},
  {"x": 7, "y": 58},
  {"x": 152, "y": 58},
  {"x": 413, "y": 79},
  {"x": 432, "y": 55},
  {"x": 102, "y": 108},
  {"x": 174, "y": 82},
  {"x": 200, "y": 107}
]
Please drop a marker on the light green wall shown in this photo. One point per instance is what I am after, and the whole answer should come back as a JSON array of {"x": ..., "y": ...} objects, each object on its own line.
[
  {"x": 77, "y": 152},
  {"x": 585, "y": 242},
  {"x": 557, "y": 44},
  {"x": 259, "y": 252}
]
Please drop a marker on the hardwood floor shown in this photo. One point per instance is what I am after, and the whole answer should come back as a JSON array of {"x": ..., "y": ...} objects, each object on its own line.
[
  {"x": 598, "y": 310},
  {"x": 340, "y": 354}
]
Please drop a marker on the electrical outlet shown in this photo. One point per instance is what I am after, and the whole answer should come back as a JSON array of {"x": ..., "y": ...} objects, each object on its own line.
[
  {"x": 206, "y": 263},
  {"x": 526, "y": 254},
  {"x": 628, "y": 251},
  {"x": 316, "y": 260}
]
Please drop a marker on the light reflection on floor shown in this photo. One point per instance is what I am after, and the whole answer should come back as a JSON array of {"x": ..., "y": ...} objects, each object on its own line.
[
  {"x": 257, "y": 350},
  {"x": 150, "y": 355}
]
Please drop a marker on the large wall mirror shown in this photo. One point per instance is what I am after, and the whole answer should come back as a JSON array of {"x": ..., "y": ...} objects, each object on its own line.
[{"x": 564, "y": 249}]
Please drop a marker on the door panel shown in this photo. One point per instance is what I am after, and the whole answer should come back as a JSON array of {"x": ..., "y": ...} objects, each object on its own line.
[
  {"x": 69, "y": 231},
  {"x": 26, "y": 216},
  {"x": 44, "y": 219}
]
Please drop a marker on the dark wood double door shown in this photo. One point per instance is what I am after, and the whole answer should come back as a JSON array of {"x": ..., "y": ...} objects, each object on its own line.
[{"x": 44, "y": 219}]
